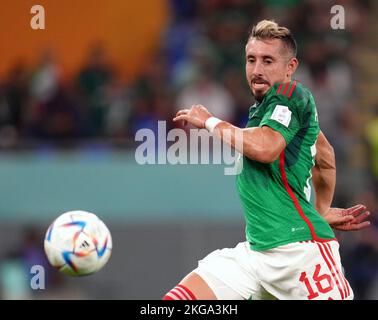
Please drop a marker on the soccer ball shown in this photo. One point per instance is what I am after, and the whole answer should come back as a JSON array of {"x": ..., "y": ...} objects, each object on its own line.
[{"x": 78, "y": 243}]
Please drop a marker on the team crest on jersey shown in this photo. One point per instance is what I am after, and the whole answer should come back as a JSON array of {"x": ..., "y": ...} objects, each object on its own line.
[{"x": 281, "y": 114}]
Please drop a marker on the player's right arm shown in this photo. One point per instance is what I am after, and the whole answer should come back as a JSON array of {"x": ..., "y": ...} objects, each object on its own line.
[{"x": 262, "y": 144}]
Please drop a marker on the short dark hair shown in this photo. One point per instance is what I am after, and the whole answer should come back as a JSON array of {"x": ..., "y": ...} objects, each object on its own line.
[{"x": 269, "y": 29}]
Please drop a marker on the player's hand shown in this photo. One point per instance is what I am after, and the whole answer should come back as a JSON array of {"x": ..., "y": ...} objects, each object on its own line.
[
  {"x": 349, "y": 219},
  {"x": 196, "y": 115}
]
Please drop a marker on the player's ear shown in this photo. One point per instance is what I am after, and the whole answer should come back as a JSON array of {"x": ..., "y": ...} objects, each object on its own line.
[{"x": 292, "y": 66}]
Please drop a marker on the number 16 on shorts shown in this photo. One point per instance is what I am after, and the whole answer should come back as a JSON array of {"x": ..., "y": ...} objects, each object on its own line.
[{"x": 325, "y": 281}]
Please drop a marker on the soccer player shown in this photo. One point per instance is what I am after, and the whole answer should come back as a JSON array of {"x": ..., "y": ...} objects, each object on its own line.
[{"x": 291, "y": 251}]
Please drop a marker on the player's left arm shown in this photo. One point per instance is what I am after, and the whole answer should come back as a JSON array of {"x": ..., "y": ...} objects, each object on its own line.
[
  {"x": 324, "y": 174},
  {"x": 324, "y": 181}
]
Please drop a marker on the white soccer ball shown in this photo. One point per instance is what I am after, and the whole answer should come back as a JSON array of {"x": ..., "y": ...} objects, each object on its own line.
[{"x": 78, "y": 243}]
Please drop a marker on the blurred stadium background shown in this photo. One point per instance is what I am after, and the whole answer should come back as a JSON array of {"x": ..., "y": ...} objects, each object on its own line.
[{"x": 73, "y": 95}]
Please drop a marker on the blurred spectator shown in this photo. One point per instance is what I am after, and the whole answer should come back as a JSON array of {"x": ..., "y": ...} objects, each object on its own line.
[
  {"x": 44, "y": 80},
  {"x": 57, "y": 119},
  {"x": 236, "y": 84},
  {"x": 228, "y": 31},
  {"x": 360, "y": 250},
  {"x": 16, "y": 95},
  {"x": 180, "y": 32},
  {"x": 143, "y": 115},
  {"x": 15, "y": 267},
  {"x": 371, "y": 133},
  {"x": 201, "y": 54},
  {"x": 93, "y": 83},
  {"x": 350, "y": 153},
  {"x": 14, "y": 278},
  {"x": 119, "y": 111},
  {"x": 330, "y": 83},
  {"x": 13, "y": 104},
  {"x": 205, "y": 90}
]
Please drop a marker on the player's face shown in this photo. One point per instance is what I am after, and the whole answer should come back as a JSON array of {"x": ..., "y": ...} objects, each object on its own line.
[{"x": 267, "y": 62}]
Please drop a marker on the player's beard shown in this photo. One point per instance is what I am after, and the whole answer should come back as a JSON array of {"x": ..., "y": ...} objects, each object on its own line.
[
  {"x": 258, "y": 96},
  {"x": 259, "y": 88}
]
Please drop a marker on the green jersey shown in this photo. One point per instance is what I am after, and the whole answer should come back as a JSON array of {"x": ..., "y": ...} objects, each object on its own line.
[{"x": 276, "y": 196}]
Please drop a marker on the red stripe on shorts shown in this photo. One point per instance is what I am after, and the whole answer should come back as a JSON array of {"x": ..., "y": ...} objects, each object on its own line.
[{"x": 330, "y": 269}]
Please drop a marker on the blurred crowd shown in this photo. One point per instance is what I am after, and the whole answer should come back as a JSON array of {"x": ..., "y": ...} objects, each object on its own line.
[{"x": 201, "y": 60}]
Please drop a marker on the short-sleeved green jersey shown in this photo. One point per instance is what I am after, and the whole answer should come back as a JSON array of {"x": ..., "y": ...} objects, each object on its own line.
[{"x": 276, "y": 196}]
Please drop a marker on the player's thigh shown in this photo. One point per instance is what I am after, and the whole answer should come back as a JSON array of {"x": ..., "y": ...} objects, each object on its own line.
[
  {"x": 307, "y": 270},
  {"x": 229, "y": 273},
  {"x": 198, "y": 286}
]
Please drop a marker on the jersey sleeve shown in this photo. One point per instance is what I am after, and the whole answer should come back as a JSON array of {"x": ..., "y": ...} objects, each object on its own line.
[{"x": 282, "y": 115}]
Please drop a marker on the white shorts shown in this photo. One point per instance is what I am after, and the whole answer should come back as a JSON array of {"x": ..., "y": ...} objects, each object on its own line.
[{"x": 306, "y": 270}]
